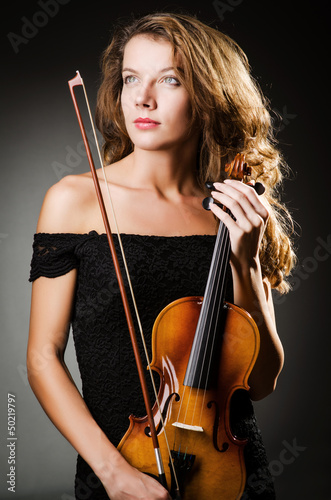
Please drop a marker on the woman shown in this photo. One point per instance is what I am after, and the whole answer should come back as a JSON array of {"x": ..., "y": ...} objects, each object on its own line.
[{"x": 176, "y": 103}]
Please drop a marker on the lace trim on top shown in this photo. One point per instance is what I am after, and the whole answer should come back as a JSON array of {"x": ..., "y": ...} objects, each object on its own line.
[{"x": 53, "y": 255}]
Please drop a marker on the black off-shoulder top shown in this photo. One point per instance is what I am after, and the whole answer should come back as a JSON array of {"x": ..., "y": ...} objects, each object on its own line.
[{"x": 162, "y": 269}]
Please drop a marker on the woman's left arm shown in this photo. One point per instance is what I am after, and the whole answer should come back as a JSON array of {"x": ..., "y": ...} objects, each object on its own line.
[{"x": 251, "y": 291}]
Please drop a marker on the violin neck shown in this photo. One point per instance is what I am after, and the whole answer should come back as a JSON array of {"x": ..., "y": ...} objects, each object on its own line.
[{"x": 202, "y": 364}]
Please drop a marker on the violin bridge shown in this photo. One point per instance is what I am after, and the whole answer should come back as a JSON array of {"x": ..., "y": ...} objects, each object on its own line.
[{"x": 195, "y": 428}]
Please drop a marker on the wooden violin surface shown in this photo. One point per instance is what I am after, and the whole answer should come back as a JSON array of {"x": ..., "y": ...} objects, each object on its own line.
[{"x": 208, "y": 458}]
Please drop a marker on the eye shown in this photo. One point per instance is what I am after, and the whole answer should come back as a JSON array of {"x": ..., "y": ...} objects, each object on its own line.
[
  {"x": 130, "y": 79},
  {"x": 171, "y": 80}
]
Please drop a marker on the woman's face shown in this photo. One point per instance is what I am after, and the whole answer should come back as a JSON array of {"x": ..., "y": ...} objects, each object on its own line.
[{"x": 155, "y": 105}]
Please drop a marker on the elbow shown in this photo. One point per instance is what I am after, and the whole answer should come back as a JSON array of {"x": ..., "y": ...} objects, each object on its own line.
[
  {"x": 39, "y": 363},
  {"x": 263, "y": 390},
  {"x": 264, "y": 383},
  {"x": 34, "y": 370},
  {"x": 264, "y": 376}
]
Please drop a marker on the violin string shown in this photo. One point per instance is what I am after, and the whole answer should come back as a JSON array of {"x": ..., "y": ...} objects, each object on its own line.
[
  {"x": 198, "y": 349},
  {"x": 206, "y": 309},
  {"x": 202, "y": 319},
  {"x": 131, "y": 287},
  {"x": 225, "y": 257},
  {"x": 216, "y": 275},
  {"x": 178, "y": 415},
  {"x": 204, "y": 322},
  {"x": 221, "y": 250}
]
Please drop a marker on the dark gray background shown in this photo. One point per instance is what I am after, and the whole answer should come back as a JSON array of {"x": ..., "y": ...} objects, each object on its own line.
[{"x": 41, "y": 142}]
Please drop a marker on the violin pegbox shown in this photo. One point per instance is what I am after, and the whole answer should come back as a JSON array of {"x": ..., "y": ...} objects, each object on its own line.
[{"x": 239, "y": 170}]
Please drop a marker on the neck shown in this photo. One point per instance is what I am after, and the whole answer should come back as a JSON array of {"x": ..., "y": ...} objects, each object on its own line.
[{"x": 170, "y": 173}]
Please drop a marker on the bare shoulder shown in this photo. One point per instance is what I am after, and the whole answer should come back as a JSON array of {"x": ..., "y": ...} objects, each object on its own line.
[{"x": 65, "y": 204}]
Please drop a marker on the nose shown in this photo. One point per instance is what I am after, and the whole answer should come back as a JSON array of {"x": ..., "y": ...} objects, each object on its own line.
[{"x": 145, "y": 97}]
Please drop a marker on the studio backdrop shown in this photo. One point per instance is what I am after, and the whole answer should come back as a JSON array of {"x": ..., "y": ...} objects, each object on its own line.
[{"x": 43, "y": 43}]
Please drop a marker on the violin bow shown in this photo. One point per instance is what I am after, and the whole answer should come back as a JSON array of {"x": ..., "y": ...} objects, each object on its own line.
[{"x": 74, "y": 82}]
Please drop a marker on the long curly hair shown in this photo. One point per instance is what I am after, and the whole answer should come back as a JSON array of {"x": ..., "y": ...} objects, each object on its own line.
[{"x": 228, "y": 107}]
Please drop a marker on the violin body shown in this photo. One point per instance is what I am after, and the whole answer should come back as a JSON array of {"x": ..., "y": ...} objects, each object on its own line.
[{"x": 208, "y": 458}]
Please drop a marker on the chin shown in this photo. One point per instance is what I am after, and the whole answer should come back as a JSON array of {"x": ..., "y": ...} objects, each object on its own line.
[
  {"x": 155, "y": 144},
  {"x": 152, "y": 145}
]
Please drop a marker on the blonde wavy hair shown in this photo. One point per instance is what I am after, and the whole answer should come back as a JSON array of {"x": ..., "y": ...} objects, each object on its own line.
[{"x": 227, "y": 105}]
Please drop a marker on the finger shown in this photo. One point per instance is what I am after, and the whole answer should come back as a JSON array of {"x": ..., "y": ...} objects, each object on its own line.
[
  {"x": 224, "y": 217},
  {"x": 245, "y": 196},
  {"x": 245, "y": 214},
  {"x": 246, "y": 222},
  {"x": 245, "y": 189},
  {"x": 234, "y": 200},
  {"x": 226, "y": 202}
]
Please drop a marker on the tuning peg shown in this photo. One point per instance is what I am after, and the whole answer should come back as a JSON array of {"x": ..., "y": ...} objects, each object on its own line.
[
  {"x": 207, "y": 202},
  {"x": 259, "y": 188},
  {"x": 209, "y": 185}
]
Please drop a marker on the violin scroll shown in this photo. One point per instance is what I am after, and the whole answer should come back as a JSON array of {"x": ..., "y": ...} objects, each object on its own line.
[{"x": 237, "y": 169}]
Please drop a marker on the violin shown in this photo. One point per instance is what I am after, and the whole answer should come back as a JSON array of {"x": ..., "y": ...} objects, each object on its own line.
[{"x": 203, "y": 349}]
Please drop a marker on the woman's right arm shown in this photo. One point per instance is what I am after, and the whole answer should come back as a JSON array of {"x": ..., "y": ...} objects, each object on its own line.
[
  {"x": 51, "y": 307},
  {"x": 49, "y": 376}
]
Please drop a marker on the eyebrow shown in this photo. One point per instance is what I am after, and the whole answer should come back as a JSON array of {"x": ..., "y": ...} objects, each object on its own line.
[{"x": 161, "y": 71}]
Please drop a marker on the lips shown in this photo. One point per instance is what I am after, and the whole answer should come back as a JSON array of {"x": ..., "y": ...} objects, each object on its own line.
[
  {"x": 145, "y": 123},
  {"x": 145, "y": 120}
]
